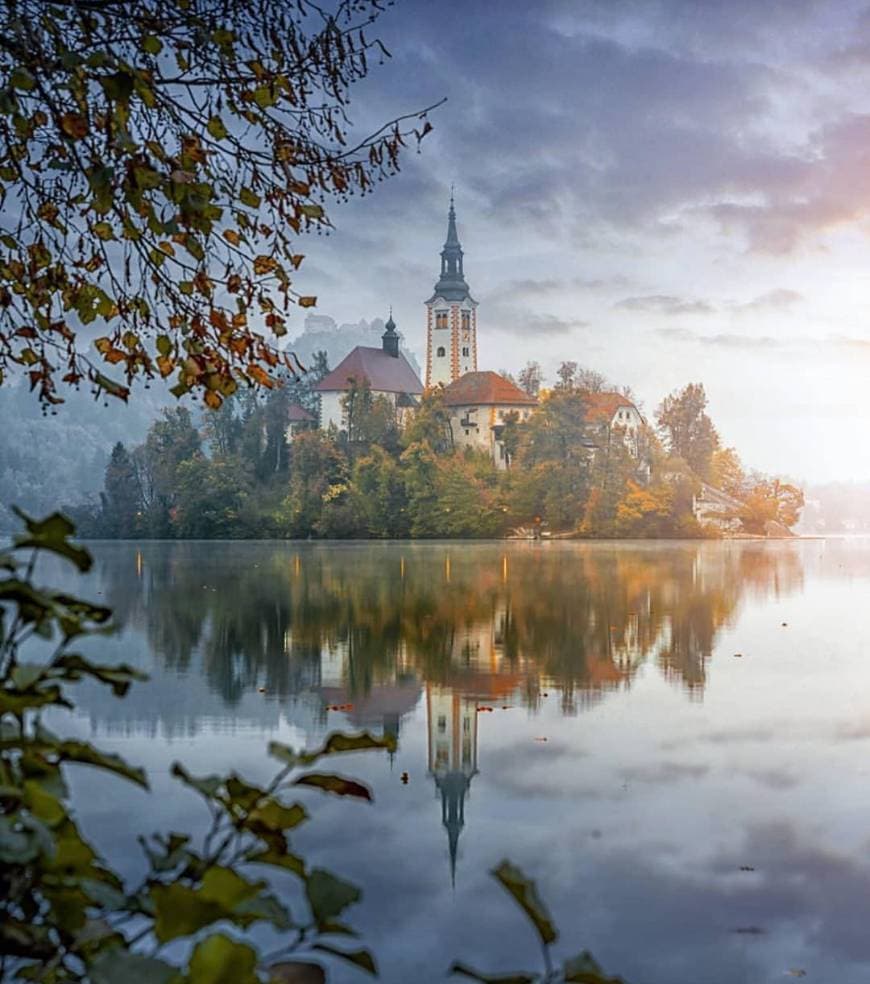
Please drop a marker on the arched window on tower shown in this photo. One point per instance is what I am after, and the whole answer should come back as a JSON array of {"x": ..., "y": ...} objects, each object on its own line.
[
  {"x": 440, "y": 352},
  {"x": 440, "y": 319},
  {"x": 466, "y": 320}
]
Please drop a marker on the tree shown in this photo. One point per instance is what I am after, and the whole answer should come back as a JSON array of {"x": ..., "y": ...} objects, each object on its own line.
[
  {"x": 379, "y": 486},
  {"x": 210, "y": 499},
  {"x": 530, "y": 378},
  {"x": 549, "y": 480},
  {"x": 318, "y": 472},
  {"x": 726, "y": 471},
  {"x": 771, "y": 500},
  {"x": 171, "y": 441},
  {"x": 430, "y": 424},
  {"x": 370, "y": 419},
  {"x": 121, "y": 499},
  {"x": 591, "y": 381},
  {"x": 688, "y": 431},
  {"x": 566, "y": 372},
  {"x": 157, "y": 162}
]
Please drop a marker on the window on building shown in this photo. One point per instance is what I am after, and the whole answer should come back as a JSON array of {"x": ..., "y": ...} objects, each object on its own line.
[
  {"x": 466, "y": 725},
  {"x": 442, "y": 724},
  {"x": 465, "y": 350},
  {"x": 440, "y": 319},
  {"x": 440, "y": 352},
  {"x": 466, "y": 319},
  {"x": 467, "y": 432}
]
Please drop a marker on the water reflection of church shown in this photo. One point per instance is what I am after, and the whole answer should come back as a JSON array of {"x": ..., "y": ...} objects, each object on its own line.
[{"x": 452, "y": 726}]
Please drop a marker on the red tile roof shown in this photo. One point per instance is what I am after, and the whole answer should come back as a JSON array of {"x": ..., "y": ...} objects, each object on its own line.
[
  {"x": 297, "y": 414},
  {"x": 603, "y": 406},
  {"x": 385, "y": 373},
  {"x": 475, "y": 388}
]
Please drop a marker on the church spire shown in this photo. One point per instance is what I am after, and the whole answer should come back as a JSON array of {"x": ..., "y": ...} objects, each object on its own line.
[{"x": 452, "y": 286}]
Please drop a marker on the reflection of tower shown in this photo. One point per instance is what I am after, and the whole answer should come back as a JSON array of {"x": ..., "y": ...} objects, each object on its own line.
[{"x": 452, "y": 721}]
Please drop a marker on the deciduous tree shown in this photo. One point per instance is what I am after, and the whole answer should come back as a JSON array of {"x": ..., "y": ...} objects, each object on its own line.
[
  {"x": 687, "y": 429},
  {"x": 158, "y": 162}
]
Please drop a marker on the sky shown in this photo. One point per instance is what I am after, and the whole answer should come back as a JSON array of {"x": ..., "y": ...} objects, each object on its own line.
[{"x": 667, "y": 191}]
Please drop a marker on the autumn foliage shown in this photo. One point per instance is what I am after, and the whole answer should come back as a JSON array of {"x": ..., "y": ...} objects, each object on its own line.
[{"x": 158, "y": 163}]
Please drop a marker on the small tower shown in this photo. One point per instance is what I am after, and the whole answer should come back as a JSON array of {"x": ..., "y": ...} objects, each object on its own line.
[
  {"x": 451, "y": 316},
  {"x": 390, "y": 337}
]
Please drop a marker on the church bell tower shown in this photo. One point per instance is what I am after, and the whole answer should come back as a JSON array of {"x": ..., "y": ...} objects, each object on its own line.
[{"x": 451, "y": 316}]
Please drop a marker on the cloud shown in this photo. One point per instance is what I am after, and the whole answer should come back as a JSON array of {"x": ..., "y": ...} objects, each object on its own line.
[
  {"x": 723, "y": 339},
  {"x": 780, "y": 298},
  {"x": 664, "y": 772},
  {"x": 665, "y": 304}
]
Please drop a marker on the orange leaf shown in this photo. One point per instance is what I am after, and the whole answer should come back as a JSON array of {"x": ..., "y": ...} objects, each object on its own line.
[
  {"x": 307, "y": 302},
  {"x": 74, "y": 125}
]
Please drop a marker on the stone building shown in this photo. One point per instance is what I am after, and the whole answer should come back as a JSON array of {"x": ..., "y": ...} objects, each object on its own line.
[
  {"x": 387, "y": 371},
  {"x": 480, "y": 404}
]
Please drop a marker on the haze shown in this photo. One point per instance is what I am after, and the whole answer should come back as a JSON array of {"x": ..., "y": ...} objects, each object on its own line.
[{"x": 665, "y": 191}]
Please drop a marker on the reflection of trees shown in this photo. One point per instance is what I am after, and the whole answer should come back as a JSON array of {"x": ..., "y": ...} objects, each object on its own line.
[{"x": 484, "y": 620}]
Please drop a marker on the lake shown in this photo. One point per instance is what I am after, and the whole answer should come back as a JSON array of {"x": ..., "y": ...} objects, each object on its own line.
[{"x": 673, "y": 739}]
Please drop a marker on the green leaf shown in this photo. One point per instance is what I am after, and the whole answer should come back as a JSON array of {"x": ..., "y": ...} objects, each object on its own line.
[
  {"x": 52, "y": 534},
  {"x": 183, "y": 911},
  {"x": 152, "y": 45},
  {"x": 584, "y": 969},
  {"x": 86, "y": 754},
  {"x": 117, "y": 966},
  {"x": 329, "y": 896},
  {"x": 207, "y": 786},
  {"x": 276, "y": 816},
  {"x": 22, "y": 79},
  {"x": 164, "y": 344},
  {"x": 118, "y": 87},
  {"x": 264, "y": 97},
  {"x": 221, "y": 960},
  {"x": 74, "y": 667},
  {"x": 216, "y": 128},
  {"x": 266, "y": 908},
  {"x": 279, "y": 859},
  {"x": 104, "y": 230},
  {"x": 249, "y": 197},
  {"x": 359, "y": 958},
  {"x": 284, "y": 753},
  {"x": 17, "y": 703},
  {"x": 524, "y": 891},
  {"x": 339, "y": 743},
  {"x": 335, "y": 784},
  {"x": 465, "y": 971},
  {"x": 312, "y": 211}
]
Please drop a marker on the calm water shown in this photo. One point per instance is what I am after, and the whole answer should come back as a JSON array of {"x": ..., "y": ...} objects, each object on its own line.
[{"x": 669, "y": 763}]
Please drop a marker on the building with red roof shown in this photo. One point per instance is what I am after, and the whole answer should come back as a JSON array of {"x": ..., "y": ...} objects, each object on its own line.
[
  {"x": 387, "y": 372},
  {"x": 479, "y": 405},
  {"x": 610, "y": 413}
]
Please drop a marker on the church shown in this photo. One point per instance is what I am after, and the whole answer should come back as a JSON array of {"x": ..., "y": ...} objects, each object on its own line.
[{"x": 479, "y": 404}]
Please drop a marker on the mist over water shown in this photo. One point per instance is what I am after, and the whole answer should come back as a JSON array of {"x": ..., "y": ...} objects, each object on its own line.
[{"x": 671, "y": 738}]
